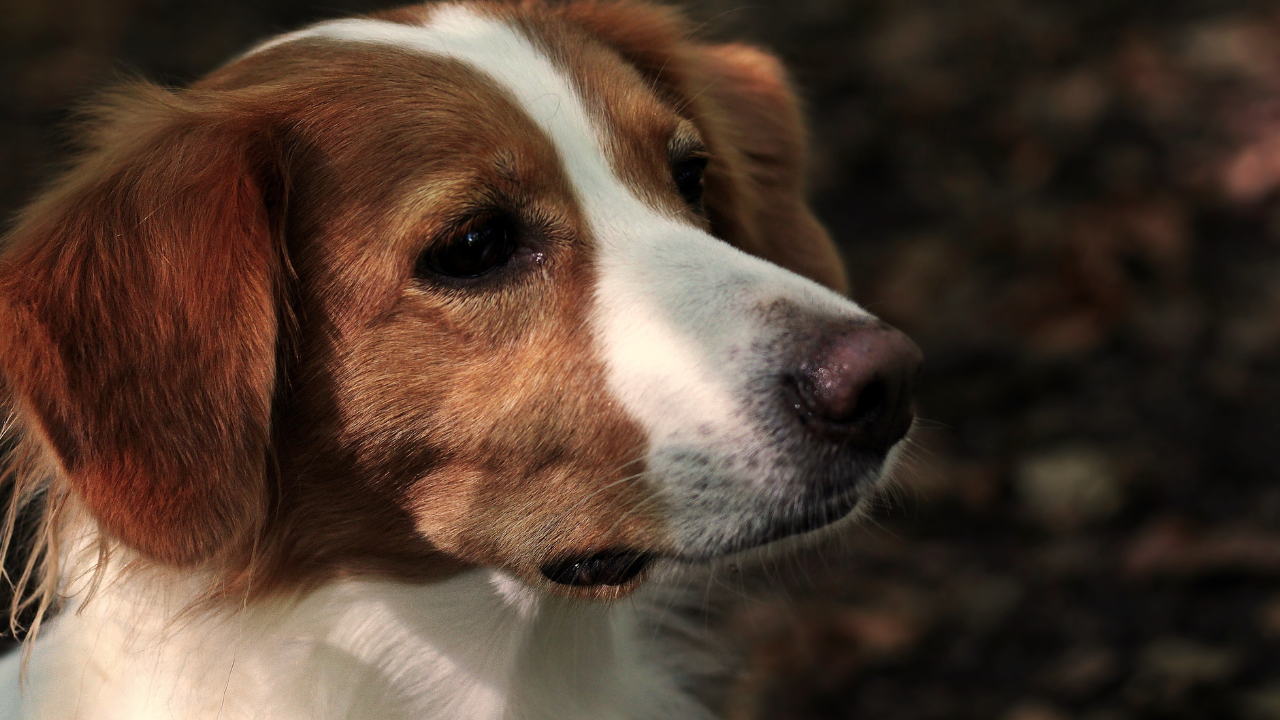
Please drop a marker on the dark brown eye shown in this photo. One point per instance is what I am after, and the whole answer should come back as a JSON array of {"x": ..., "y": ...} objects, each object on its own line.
[
  {"x": 480, "y": 248},
  {"x": 688, "y": 177}
]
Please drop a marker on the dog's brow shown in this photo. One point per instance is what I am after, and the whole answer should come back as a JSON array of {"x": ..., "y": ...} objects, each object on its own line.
[
  {"x": 685, "y": 141},
  {"x": 511, "y": 60},
  {"x": 506, "y": 168}
]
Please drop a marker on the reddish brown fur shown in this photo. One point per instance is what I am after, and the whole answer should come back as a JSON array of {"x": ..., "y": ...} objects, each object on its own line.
[
  {"x": 137, "y": 310},
  {"x": 212, "y": 322}
]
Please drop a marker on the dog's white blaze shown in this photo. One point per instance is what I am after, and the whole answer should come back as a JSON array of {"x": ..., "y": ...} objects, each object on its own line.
[{"x": 679, "y": 314}]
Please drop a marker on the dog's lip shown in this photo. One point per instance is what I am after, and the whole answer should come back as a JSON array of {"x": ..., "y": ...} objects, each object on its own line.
[
  {"x": 607, "y": 568},
  {"x": 829, "y": 512},
  {"x": 617, "y": 567},
  {"x": 819, "y": 516}
]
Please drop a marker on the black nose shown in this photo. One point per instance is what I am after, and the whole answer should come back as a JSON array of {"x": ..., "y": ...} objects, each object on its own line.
[{"x": 858, "y": 386}]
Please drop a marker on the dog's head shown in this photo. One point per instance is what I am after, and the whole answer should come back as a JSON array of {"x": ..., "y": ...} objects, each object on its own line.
[{"x": 520, "y": 286}]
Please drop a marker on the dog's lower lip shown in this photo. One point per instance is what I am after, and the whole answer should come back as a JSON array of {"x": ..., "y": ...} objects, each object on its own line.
[
  {"x": 605, "y": 568},
  {"x": 833, "y": 511},
  {"x": 817, "y": 518}
]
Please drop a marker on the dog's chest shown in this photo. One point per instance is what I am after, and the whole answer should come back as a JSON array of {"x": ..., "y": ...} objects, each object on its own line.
[{"x": 471, "y": 647}]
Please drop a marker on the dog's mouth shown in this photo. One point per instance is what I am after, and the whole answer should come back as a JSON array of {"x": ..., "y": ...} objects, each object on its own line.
[
  {"x": 616, "y": 568},
  {"x": 600, "y": 569},
  {"x": 816, "y": 517}
]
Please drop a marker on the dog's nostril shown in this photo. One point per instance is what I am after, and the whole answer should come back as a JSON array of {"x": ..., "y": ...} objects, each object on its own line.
[
  {"x": 872, "y": 401},
  {"x": 859, "y": 386}
]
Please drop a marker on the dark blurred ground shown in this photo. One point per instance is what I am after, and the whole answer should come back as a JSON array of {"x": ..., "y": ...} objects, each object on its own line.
[{"x": 1073, "y": 207}]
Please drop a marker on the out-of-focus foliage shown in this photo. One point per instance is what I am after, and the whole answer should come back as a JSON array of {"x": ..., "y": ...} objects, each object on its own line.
[{"x": 1074, "y": 207}]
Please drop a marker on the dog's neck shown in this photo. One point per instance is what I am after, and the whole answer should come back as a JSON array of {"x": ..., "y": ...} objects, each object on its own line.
[{"x": 479, "y": 646}]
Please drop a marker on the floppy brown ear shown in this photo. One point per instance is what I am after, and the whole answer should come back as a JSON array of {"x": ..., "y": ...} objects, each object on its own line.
[
  {"x": 138, "y": 325},
  {"x": 743, "y": 103}
]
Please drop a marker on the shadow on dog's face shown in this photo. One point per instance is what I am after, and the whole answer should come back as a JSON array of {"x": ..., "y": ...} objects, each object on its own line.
[{"x": 516, "y": 297}]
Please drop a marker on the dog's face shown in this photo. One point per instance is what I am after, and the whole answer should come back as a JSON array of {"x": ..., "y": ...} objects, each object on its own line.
[{"x": 462, "y": 284}]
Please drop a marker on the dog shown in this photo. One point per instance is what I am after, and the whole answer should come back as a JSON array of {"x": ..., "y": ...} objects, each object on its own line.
[{"x": 407, "y": 366}]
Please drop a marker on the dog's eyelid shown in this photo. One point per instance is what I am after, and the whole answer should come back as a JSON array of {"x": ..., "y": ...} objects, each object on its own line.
[
  {"x": 481, "y": 207},
  {"x": 686, "y": 148},
  {"x": 465, "y": 222}
]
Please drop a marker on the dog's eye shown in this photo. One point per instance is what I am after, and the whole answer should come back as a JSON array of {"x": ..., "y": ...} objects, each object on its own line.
[
  {"x": 480, "y": 248},
  {"x": 688, "y": 177}
]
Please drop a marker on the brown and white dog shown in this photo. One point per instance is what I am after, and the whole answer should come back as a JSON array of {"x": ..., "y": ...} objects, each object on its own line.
[{"x": 367, "y": 376}]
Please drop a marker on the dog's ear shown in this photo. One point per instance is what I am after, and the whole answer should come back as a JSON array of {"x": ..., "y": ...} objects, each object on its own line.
[
  {"x": 138, "y": 322},
  {"x": 743, "y": 103},
  {"x": 756, "y": 197}
]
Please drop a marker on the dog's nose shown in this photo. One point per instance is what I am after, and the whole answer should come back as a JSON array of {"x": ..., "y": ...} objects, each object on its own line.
[{"x": 858, "y": 386}]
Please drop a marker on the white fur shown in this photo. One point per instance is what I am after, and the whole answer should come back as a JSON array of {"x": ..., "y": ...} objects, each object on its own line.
[{"x": 460, "y": 649}]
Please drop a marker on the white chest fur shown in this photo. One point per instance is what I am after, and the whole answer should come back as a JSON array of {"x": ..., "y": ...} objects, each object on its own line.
[{"x": 476, "y": 647}]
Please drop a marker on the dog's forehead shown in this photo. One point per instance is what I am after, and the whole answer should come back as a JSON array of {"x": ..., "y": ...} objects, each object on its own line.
[{"x": 586, "y": 101}]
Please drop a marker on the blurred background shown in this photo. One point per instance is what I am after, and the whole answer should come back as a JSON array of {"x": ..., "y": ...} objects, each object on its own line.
[{"x": 1073, "y": 207}]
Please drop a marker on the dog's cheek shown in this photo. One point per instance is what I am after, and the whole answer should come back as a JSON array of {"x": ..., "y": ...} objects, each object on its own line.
[
  {"x": 530, "y": 458},
  {"x": 545, "y": 475}
]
